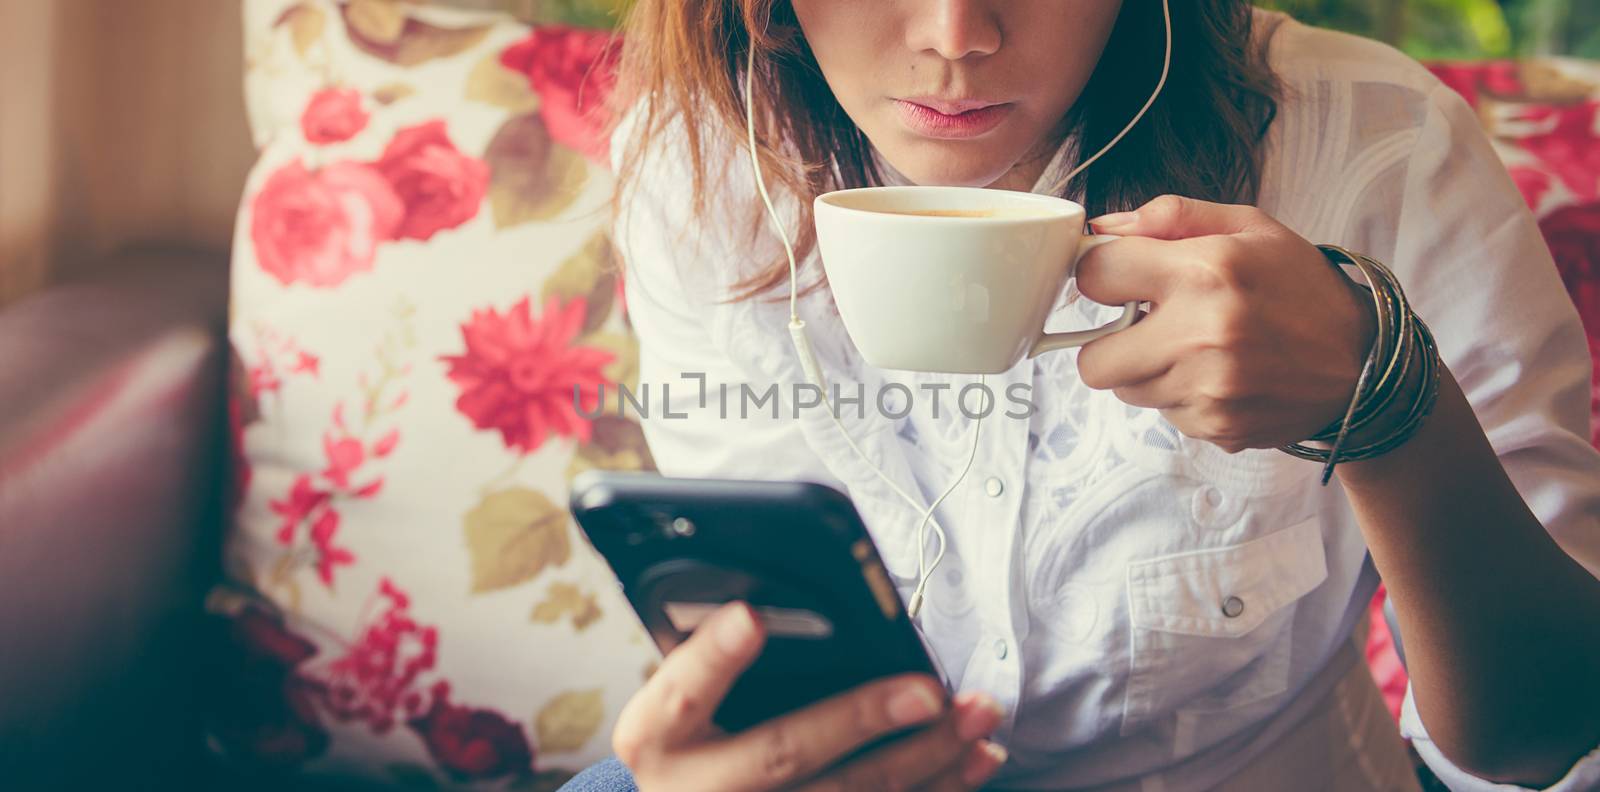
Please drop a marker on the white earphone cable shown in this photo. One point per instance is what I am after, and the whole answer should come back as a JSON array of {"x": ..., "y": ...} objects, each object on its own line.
[
  {"x": 814, "y": 370},
  {"x": 1166, "y": 67},
  {"x": 761, "y": 185},
  {"x": 802, "y": 343},
  {"x": 924, "y": 573}
]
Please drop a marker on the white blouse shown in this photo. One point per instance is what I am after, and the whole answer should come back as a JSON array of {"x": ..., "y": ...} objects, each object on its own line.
[{"x": 1147, "y": 609}]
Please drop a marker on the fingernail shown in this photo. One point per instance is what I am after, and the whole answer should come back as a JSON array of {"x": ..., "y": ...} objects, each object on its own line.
[
  {"x": 913, "y": 704},
  {"x": 979, "y": 717},
  {"x": 982, "y": 763},
  {"x": 1115, "y": 220},
  {"x": 734, "y": 630}
]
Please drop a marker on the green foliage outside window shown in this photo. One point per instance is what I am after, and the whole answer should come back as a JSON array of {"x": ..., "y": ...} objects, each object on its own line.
[
  {"x": 1427, "y": 29},
  {"x": 588, "y": 13},
  {"x": 1461, "y": 29}
]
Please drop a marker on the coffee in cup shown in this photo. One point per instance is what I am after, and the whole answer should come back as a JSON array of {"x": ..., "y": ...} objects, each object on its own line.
[{"x": 991, "y": 212}]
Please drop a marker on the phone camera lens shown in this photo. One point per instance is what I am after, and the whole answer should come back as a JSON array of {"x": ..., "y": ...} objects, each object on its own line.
[{"x": 682, "y": 527}]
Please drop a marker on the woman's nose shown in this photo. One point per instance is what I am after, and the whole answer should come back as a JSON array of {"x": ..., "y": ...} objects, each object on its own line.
[{"x": 954, "y": 29}]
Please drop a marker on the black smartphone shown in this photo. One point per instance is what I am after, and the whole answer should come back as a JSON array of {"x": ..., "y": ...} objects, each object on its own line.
[{"x": 797, "y": 553}]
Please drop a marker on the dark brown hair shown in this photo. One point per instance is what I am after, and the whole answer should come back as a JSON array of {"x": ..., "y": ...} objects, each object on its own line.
[{"x": 1199, "y": 139}]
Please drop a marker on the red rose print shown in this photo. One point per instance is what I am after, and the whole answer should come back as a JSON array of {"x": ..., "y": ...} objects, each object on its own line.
[
  {"x": 1462, "y": 78},
  {"x": 264, "y": 711},
  {"x": 521, "y": 377},
  {"x": 1532, "y": 183},
  {"x": 374, "y": 680},
  {"x": 574, "y": 72},
  {"x": 472, "y": 744},
  {"x": 1471, "y": 80},
  {"x": 440, "y": 187},
  {"x": 1569, "y": 148},
  {"x": 321, "y": 227},
  {"x": 333, "y": 115}
]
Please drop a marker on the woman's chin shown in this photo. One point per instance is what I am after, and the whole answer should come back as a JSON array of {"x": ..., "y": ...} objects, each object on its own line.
[{"x": 942, "y": 172}]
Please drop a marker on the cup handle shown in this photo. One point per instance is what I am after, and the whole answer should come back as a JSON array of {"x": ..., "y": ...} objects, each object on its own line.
[{"x": 1049, "y": 342}]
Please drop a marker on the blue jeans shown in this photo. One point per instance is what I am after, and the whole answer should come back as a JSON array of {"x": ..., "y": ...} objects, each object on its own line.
[{"x": 608, "y": 776}]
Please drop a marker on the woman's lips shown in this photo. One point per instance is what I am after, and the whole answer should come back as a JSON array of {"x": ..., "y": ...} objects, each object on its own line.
[{"x": 951, "y": 120}]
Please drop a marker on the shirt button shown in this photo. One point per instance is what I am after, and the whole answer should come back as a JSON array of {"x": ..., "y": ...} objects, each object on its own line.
[
  {"x": 1232, "y": 607},
  {"x": 993, "y": 487},
  {"x": 1001, "y": 650},
  {"x": 1209, "y": 509}
]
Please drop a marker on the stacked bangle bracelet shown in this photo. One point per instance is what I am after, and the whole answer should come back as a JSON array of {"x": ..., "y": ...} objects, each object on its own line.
[{"x": 1386, "y": 371}]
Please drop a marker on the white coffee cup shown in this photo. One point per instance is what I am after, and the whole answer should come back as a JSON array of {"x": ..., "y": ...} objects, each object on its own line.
[{"x": 955, "y": 294}]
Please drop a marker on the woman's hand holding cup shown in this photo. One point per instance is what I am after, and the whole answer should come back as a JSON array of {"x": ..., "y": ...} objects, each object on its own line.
[{"x": 1254, "y": 341}]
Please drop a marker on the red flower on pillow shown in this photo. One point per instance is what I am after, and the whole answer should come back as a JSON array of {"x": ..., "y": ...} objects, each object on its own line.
[
  {"x": 320, "y": 227},
  {"x": 374, "y": 680},
  {"x": 312, "y": 504},
  {"x": 1569, "y": 148},
  {"x": 1499, "y": 78},
  {"x": 1532, "y": 183},
  {"x": 440, "y": 187},
  {"x": 574, "y": 72},
  {"x": 345, "y": 454},
  {"x": 333, "y": 115},
  {"x": 306, "y": 504},
  {"x": 303, "y": 501},
  {"x": 329, "y": 555},
  {"x": 524, "y": 378},
  {"x": 472, "y": 744}
]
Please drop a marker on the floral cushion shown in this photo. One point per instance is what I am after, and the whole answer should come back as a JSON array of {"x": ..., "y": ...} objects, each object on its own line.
[
  {"x": 424, "y": 314},
  {"x": 1544, "y": 119},
  {"x": 421, "y": 290}
]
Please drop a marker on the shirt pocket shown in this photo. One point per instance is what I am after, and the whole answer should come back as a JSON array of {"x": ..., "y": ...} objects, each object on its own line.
[{"x": 1211, "y": 629}]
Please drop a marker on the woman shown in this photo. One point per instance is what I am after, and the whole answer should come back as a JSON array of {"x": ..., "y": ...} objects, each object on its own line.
[{"x": 1140, "y": 591}]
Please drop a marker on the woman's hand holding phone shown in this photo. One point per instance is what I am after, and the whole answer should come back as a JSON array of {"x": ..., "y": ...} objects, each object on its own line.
[{"x": 666, "y": 738}]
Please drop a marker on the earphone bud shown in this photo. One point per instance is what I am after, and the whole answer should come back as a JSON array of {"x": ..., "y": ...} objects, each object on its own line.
[{"x": 808, "y": 358}]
